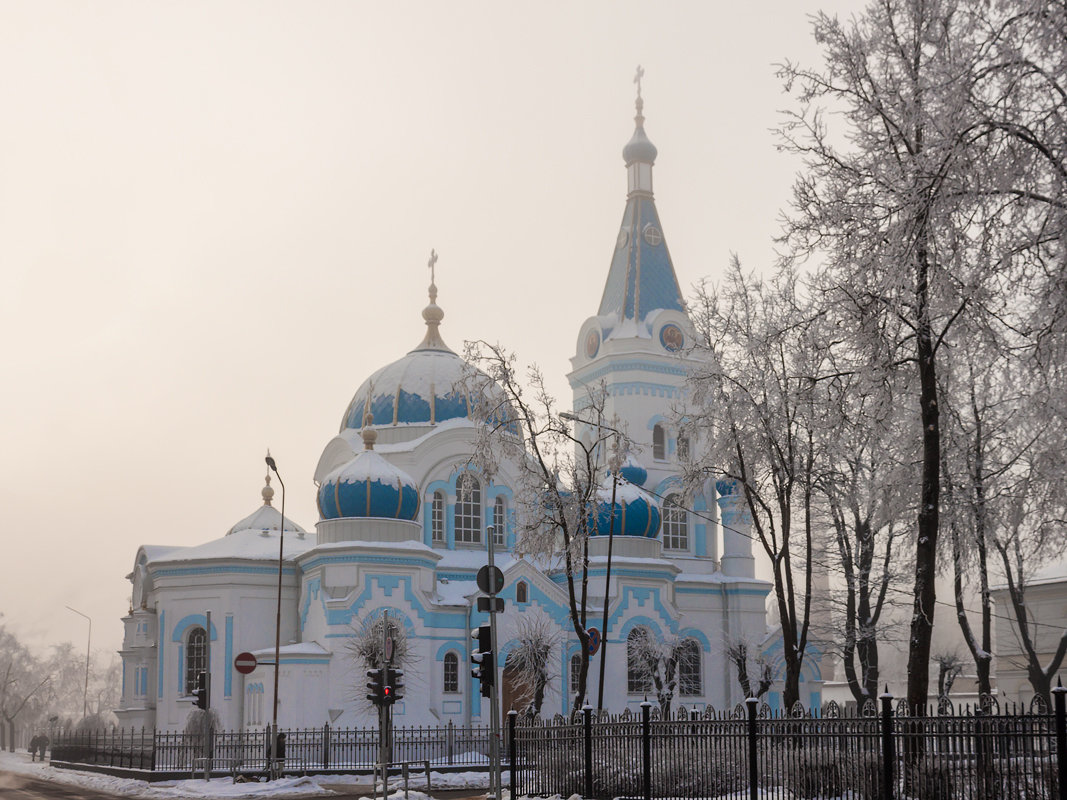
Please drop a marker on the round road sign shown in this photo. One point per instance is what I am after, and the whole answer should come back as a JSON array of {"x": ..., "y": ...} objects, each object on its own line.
[
  {"x": 490, "y": 581},
  {"x": 244, "y": 663},
  {"x": 594, "y": 641}
]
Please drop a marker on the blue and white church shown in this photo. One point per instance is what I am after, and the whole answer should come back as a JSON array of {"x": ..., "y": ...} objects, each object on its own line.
[{"x": 400, "y": 530}]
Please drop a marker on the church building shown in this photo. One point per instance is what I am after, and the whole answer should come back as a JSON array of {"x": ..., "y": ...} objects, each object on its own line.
[{"x": 403, "y": 521}]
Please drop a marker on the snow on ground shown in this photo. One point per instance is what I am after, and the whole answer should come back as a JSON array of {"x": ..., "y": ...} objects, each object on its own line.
[{"x": 311, "y": 786}]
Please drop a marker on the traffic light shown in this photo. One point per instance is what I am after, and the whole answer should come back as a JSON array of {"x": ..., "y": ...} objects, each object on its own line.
[
  {"x": 482, "y": 658},
  {"x": 200, "y": 692},
  {"x": 376, "y": 686},
  {"x": 394, "y": 685}
]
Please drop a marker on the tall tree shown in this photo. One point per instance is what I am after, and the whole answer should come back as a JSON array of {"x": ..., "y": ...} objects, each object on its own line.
[
  {"x": 560, "y": 468},
  {"x": 754, "y": 402},
  {"x": 880, "y": 201}
]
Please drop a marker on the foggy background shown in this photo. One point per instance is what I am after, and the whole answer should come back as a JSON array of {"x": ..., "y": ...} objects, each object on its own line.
[{"x": 215, "y": 220}]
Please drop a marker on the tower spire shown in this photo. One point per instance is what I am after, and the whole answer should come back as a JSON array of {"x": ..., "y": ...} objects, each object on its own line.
[{"x": 433, "y": 313}]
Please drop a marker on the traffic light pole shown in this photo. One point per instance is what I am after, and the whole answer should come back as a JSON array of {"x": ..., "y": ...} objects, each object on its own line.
[{"x": 494, "y": 692}]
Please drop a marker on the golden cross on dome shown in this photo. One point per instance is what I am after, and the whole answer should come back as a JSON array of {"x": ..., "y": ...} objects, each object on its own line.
[{"x": 431, "y": 263}]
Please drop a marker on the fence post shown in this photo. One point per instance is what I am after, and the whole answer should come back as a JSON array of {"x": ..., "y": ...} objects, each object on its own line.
[
  {"x": 587, "y": 720},
  {"x": 753, "y": 749},
  {"x": 1059, "y": 698},
  {"x": 979, "y": 750},
  {"x": 326, "y": 746},
  {"x": 889, "y": 756},
  {"x": 451, "y": 738},
  {"x": 513, "y": 759},
  {"x": 646, "y": 749}
]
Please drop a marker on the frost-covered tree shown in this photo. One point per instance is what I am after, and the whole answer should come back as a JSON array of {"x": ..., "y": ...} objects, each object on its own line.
[
  {"x": 754, "y": 396},
  {"x": 755, "y": 674},
  {"x": 559, "y": 470},
  {"x": 23, "y": 677},
  {"x": 366, "y": 648},
  {"x": 530, "y": 661}
]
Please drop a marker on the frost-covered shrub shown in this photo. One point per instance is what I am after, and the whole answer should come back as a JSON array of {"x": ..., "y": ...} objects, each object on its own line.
[
  {"x": 933, "y": 782},
  {"x": 820, "y": 775}
]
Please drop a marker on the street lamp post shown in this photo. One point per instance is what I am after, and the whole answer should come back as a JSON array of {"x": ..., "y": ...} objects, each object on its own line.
[
  {"x": 88, "y": 645},
  {"x": 614, "y": 466},
  {"x": 278, "y": 620}
]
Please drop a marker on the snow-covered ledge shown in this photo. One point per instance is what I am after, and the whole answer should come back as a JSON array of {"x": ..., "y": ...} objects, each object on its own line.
[{"x": 626, "y": 547}]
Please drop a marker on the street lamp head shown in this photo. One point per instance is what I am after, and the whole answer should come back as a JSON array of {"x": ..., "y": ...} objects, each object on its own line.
[{"x": 270, "y": 462}]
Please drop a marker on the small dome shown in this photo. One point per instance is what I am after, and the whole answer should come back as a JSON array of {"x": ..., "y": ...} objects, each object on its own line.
[
  {"x": 368, "y": 486},
  {"x": 633, "y": 472},
  {"x": 266, "y": 517},
  {"x": 639, "y": 148},
  {"x": 636, "y": 512}
]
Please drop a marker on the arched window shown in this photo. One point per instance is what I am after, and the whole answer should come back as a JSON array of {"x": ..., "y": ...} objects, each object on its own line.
[
  {"x": 675, "y": 524},
  {"x": 659, "y": 443},
  {"x": 576, "y": 671},
  {"x": 195, "y": 657},
  {"x": 468, "y": 509},
  {"x": 522, "y": 592},
  {"x": 690, "y": 683},
  {"x": 500, "y": 521},
  {"x": 437, "y": 518},
  {"x": 639, "y": 663},
  {"x": 451, "y": 673}
]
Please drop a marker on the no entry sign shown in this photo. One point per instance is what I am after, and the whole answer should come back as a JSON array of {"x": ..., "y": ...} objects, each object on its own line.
[{"x": 244, "y": 663}]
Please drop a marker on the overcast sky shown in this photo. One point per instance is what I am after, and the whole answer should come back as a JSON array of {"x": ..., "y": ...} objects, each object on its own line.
[{"x": 215, "y": 219}]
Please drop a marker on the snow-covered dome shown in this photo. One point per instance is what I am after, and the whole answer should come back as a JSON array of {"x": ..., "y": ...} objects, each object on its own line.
[
  {"x": 417, "y": 389},
  {"x": 369, "y": 486},
  {"x": 633, "y": 472},
  {"x": 636, "y": 512},
  {"x": 639, "y": 148},
  {"x": 266, "y": 517}
]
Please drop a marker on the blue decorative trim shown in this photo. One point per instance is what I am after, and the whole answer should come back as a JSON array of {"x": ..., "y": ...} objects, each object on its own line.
[
  {"x": 190, "y": 620},
  {"x": 159, "y": 656},
  {"x": 699, "y": 636},
  {"x": 642, "y": 595},
  {"x": 353, "y": 558},
  {"x": 451, "y": 646},
  {"x": 635, "y": 364},
  {"x": 222, "y": 570},
  {"x": 228, "y": 679},
  {"x": 433, "y": 619},
  {"x": 312, "y": 587}
]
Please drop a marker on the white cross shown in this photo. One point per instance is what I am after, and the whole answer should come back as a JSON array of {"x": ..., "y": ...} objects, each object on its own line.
[
  {"x": 431, "y": 262},
  {"x": 637, "y": 79}
]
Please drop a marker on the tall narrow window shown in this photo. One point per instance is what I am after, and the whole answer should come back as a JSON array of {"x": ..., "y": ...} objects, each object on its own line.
[
  {"x": 500, "y": 521},
  {"x": 468, "y": 509},
  {"x": 675, "y": 524},
  {"x": 689, "y": 673},
  {"x": 451, "y": 680},
  {"x": 195, "y": 657},
  {"x": 638, "y": 662},
  {"x": 522, "y": 592},
  {"x": 659, "y": 443},
  {"x": 437, "y": 518},
  {"x": 576, "y": 671}
]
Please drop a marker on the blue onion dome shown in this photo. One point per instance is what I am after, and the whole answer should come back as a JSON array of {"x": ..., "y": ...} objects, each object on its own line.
[
  {"x": 418, "y": 389},
  {"x": 369, "y": 486},
  {"x": 633, "y": 472},
  {"x": 636, "y": 512}
]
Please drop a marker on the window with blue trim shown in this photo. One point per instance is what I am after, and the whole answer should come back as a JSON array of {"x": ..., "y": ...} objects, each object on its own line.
[
  {"x": 195, "y": 657},
  {"x": 522, "y": 592},
  {"x": 576, "y": 671},
  {"x": 451, "y": 673},
  {"x": 639, "y": 662},
  {"x": 500, "y": 525},
  {"x": 437, "y": 518},
  {"x": 690, "y": 678},
  {"x": 675, "y": 524},
  {"x": 659, "y": 442},
  {"x": 468, "y": 510}
]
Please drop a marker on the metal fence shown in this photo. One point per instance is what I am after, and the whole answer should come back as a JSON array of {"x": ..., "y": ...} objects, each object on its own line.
[
  {"x": 975, "y": 753},
  {"x": 306, "y": 749}
]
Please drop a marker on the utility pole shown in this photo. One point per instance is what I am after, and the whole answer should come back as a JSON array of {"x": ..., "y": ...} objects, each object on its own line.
[{"x": 494, "y": 693}]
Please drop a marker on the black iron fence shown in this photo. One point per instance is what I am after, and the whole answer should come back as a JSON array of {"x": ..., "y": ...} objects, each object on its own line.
[
  {"x": 975, "y": 753},
  {"x": 886, "y": 753},
  {"x": 306, "y": 749}
]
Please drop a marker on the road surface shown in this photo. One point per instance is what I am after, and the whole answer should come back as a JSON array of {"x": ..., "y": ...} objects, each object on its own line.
[{"x": 14, "y": 786}]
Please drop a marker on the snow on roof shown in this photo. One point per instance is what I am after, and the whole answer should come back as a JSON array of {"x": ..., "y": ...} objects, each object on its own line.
[
  {"x": 248, "y": 544},
  {"x": 295, "y": 649},
  {"x": 355, "y": 441},
  {"x": 472, "y": 559},
  {"x": 266, "y": 518},
  {"x": 455, "y": 593},
  {"x": 716, "y": 577},
  {"x": 634, "y": 561}
]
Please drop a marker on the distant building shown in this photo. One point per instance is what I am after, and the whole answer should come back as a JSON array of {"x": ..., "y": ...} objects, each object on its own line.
[{"x": 399, "y": 532}]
